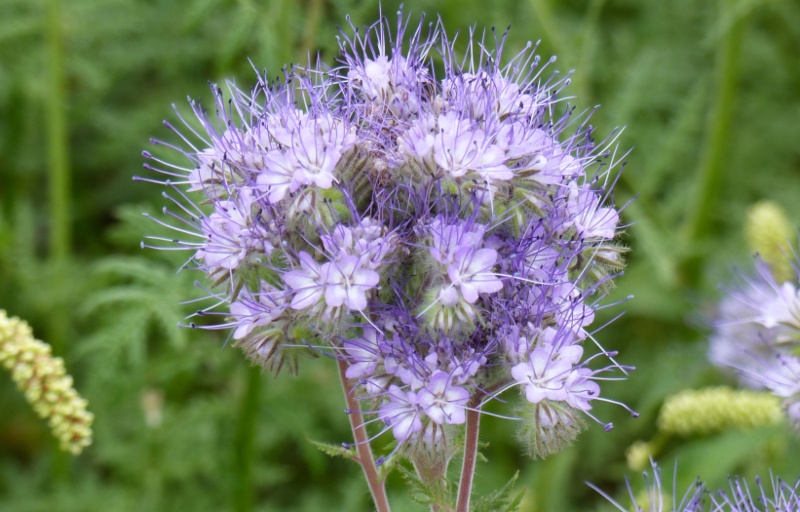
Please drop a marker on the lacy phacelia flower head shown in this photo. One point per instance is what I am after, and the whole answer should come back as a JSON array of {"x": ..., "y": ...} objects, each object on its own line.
[
  {"x": 757, "y": 334},
  {"x": 445, "y": 232}
]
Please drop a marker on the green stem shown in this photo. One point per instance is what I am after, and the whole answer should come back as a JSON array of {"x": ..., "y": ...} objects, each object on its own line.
[
  {"x": 541, "y": 8},
  {"x": 58, "y": 193},
  {"x": 365, "y": 457},
  {"x": 718, "y": 141},
  {"x": 56, "y": 126},
  {"x": 470, "y": 457},
  {"x": 243, "y": 448},
  {"x": 311, "y": 28}
]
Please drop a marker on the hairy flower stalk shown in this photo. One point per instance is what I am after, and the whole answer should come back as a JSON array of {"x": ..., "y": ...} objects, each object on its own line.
[
  {"x": 46, "y": 385},
  {"x": 442, "y": 226}
]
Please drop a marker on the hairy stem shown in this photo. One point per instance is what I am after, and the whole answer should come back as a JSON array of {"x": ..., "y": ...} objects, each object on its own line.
[
  {"x": 365, "y": 457},
  {"x": 470, "y": 457}
]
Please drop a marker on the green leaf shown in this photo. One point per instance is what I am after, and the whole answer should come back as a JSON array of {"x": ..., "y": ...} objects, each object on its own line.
[
  {"x": 333, "y": 450},
  {"x": 435, "y": 493},
  {"x": 504, "y": 499}
]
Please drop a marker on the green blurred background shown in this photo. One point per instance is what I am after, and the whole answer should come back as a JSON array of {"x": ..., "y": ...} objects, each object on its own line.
[{"x": 709, "y": 92}]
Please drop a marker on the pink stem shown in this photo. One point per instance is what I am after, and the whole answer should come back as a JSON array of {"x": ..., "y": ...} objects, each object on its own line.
[
  {"x": 470, "y": 456},
  {"x": 364, "y": 458}
]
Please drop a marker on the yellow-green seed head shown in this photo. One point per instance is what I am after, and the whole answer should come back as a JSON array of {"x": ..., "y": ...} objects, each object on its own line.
[
  {"x": 697, "y": 412},
  {"x": 45, "y": 383},
  {"x": 768, "y": 232},
  {"x": 638, "y": 455}
]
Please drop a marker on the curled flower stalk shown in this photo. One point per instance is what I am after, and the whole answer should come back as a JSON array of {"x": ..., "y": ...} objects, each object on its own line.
[
  {"x": 442, "y": 226},
  {"x": 45, "y": 383}
]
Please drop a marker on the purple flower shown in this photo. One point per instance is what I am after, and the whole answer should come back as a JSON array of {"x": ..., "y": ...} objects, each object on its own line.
[
  {"x": 698, "y": 498},
  {"x": 695, "y": 499},
  {"x": 251, "y": 311},
  {"x": 347, "y": 283},
  {"x": 471, "y": 272},
  {"x": 308, "y": 283},
  {"x": 231, "y": 232},
  {"x": 785, "y": 497},
  {"x": 590, "y": 220},
  {"x": 756, "y": 334},
  {"x": 442, "y": 401},
  {"x": 545, "y": 373},
  {"x": 402, "y": 413},
  {"x": 439, "y": 228},
  {"x": 363, "y": 353}
]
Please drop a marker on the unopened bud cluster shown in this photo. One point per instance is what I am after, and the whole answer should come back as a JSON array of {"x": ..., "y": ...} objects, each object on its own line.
[{"x": 45, "y": 383}]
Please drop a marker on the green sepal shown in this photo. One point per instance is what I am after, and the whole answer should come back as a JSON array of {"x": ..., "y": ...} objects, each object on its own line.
[
  {"x": 389, "y": 465},
  {"x": 548, "y": 427},
  {"x": 334, "y": 208}
]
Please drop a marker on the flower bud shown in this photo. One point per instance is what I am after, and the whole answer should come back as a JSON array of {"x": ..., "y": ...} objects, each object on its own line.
[{"x": 548, "y": 427}]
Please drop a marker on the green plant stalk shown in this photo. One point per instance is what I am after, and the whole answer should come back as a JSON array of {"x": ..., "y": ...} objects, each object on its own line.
[
  {"x": 470, "y": 457},
  {"x": 709, "y": 175},
  {"x": 153, "y": 482},
  {"x": 243, "y": 447},
  {"x": 310, "y": 28},
  {"x": 58, "y": 190},
  {"x": 365, "y": 457},
  {"x": 57, "y": 149},
  {"x": 541, "y": 9}
]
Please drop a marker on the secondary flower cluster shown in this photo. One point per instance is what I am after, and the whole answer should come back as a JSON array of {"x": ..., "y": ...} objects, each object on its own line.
[
  {"x": 758, "y": 333},
  {"x": 784, "y": 497},
  {"x": 445, "y": 237}
]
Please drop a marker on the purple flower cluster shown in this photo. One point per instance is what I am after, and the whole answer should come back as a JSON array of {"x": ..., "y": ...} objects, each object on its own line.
[
  {"x": 447, "y": 238},
  {"x": 785, "y": 497},
  {"x": 757, "y": 334}
]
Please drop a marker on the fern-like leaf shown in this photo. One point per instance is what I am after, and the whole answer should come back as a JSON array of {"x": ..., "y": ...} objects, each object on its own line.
[
  {"x": 504, "y": 499},
  {"x": 333, "y": 450}
]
